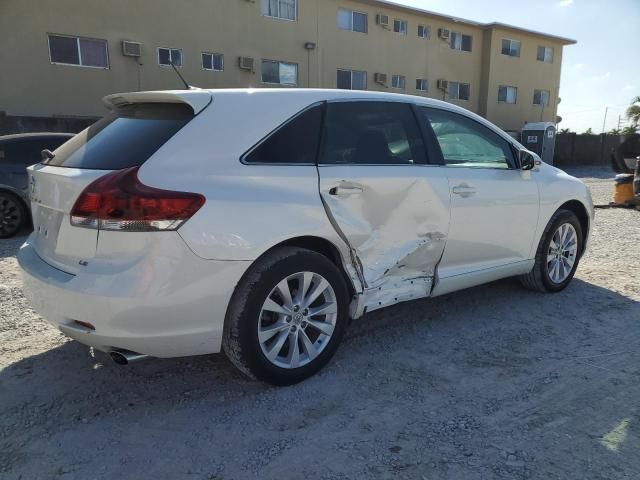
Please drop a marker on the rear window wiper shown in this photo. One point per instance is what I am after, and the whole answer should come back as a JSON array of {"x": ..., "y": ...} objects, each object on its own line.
[{"x": 47, "y": 155}]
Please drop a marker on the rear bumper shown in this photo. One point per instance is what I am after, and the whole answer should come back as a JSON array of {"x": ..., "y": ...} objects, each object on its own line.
[{"x": 166, "y": 303}]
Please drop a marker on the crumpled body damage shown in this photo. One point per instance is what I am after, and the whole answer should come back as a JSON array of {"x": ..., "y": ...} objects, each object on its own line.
[{"x": 396, "y": 228}]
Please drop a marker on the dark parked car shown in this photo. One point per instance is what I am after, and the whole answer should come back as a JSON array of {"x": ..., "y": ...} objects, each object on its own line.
[{"x": 17, "y": 152}]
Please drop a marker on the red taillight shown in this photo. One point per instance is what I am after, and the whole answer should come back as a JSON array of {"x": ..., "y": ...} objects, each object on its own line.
[{"x": 118, "y": 201}]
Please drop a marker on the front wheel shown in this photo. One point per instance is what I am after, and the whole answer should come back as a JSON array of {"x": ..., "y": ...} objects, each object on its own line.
[
  {"x": 558, "y": 254},
  {"x": 287, "y": 316}
]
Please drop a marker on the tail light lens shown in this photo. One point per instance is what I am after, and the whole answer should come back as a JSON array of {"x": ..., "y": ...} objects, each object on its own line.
[{"x": 119, "y": 201}]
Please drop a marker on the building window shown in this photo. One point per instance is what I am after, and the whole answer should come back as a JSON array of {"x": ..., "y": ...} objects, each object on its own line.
[
  {"x": 424, "y": 31},
  {"x": 167, "y": 56},
  {"x": 213, "y": 61},
  {"x": 458, "y": 41},
  {"x": 458, "y": 91},
  {"x": 507, "y": 94},
  {"x": 353, "y": 21},
  {"x": 281, "y": 73},
  {"x": 398, "y": 81},
  {"x": 283, "y": 9},
  {"x": 422, "y": 85},
  {"x": 541, "y": 97},
  {"x": 400, "y": 26},
  {"x": 85, "y": 52},
  {"x": 510, "y": 47},
  {"x": 352, "y": 80},
  {"x": 545, "y": 54}
]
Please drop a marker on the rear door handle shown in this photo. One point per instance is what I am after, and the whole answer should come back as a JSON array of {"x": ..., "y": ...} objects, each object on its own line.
[
  {"x": 463, "y": 190},
  {"x": 345, "y": 190}
]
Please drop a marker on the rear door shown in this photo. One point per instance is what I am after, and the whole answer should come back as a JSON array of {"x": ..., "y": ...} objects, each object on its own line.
[
  {"x": 494, "y": 204},
  {"x": 125, "y": 138},
  {"x": 383, "y": 197}
]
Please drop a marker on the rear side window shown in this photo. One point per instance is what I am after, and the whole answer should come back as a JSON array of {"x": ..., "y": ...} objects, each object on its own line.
[
  {"x": 125, "y": 138},
  {"x": 371, "y": 133},
  {"x": 27, "y": 151},
  {"x": 295, "y": 142}
]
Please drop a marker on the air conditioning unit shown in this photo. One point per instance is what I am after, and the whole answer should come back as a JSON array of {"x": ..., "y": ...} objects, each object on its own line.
[
  {"x": 443, "y": 84},
  {"x": 380, "y": 78},
  {"x": 245, "y": 63},
  {"x": 444, "y": 33},
  {"x": 131, "y": 49},
  {"x": 382, "y": 20}
]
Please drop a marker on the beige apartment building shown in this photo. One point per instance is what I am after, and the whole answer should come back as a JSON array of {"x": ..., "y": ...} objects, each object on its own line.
[{"x": 61, "y": 57}]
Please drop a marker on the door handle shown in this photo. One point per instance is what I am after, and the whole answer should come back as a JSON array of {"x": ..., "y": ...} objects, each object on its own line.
[
  {"x": 345, "y": 190},
  {"x": 463, "y": 190}
]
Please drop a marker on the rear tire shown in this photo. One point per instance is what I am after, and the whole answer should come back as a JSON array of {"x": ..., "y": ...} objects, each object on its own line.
[
  {"x": 275, "y": 330},
  {"x": 555, "y": 265},
  {"x": 13, "y": 214}
]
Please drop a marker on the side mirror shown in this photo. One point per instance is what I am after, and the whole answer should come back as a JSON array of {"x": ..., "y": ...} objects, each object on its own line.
[{"x": 527, "y": 160}]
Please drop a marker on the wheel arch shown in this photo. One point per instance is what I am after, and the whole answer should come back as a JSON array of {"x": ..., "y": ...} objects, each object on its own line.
[
  {"x": 323, "y": 247},
  {"x": 580, "y": 211}
]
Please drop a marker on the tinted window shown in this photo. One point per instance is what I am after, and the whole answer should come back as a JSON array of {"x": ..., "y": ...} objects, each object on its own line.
[
  {"x": 383, "y": 133},
  {"x": 466, "y": 143},
  {"x": 27, "y": 151},
  {"x": 125, "y": 138},
  {"x": 294, "y": 142}
]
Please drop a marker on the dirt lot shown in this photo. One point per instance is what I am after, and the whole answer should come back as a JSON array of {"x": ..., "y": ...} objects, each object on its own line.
[{"x": 493, "y": 382}]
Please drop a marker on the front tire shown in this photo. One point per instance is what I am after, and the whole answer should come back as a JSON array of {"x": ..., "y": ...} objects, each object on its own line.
[
  {"x": 558, "y": 254},
  {"x": 13, "y": 214},
  {"x": 287, "y": 316}
]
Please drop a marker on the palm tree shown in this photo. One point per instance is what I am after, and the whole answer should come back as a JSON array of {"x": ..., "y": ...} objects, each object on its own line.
[{"x": 633, "y": 112}]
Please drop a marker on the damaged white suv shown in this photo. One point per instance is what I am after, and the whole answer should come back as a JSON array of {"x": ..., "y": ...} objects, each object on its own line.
[{"x": 259, "y": 222}]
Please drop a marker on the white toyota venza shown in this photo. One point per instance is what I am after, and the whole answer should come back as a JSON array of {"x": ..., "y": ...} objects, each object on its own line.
[{"x": 259, "y": 222}]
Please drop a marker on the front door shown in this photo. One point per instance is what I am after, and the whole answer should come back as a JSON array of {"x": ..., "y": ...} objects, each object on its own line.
[
  {"x": 383, "y": 198},
  {"x": 494, "y": 204}
]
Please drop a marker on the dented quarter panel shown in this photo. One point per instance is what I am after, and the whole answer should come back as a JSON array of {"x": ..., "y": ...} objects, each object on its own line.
[{"x": 396, "y": 220}]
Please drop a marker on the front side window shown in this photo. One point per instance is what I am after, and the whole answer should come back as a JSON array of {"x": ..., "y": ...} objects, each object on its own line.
[
  {"x": 213, "y": 61},
  {"x": 545, "y": 54},
  {"x": 541, "y": 97},
  {"x": 168, "y": 56},
  {"x": 424, "y": 31},
  {"x": 507, "y": 94},
  {"x": 371, "y": 133},
  {"x": 458, "y": 91},
  {"x": 296, "y": 142},
  {"x": 400, "y": 26},
  {"x": 281, "y": 73},
  {"x": 85, "y": 52},
  {"x": 511, "y": 47},
  {"x": 353, "y": 21},
  {"x": 352, "y": 80},
  {"x": 458, "y": 41},
  {"x": 422, "y": 85},
  {"x": 284, "y": 9},
  {"x": 398, "y": 81},
  {"x": 465, "y": 142}
]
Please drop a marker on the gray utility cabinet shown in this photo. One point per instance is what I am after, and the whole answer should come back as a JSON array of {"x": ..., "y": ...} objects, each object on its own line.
[{"x": 540, "y": 137}]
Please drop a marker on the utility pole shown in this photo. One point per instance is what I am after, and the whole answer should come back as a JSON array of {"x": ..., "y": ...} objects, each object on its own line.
[{"x": 606, "y": 109}]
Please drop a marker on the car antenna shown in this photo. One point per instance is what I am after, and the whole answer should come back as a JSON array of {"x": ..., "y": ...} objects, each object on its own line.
[{"x": 186, "y": 85}]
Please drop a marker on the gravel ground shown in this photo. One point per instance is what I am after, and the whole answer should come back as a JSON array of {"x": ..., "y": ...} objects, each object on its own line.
[{"x": 491, "y": 383}]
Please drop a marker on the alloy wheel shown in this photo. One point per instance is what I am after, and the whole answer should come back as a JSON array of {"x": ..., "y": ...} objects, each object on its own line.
[
  {"x": 562, "y": 253},
  {"x": 297, "y": 320},
  {"x": 10, "y": 215}
]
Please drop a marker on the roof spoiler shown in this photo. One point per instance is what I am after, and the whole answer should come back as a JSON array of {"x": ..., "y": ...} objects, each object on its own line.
[{"x": 198, "y": 100}]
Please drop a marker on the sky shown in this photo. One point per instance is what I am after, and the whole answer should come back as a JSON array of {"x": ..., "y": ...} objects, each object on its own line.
[{"x": 602, "y": 70}]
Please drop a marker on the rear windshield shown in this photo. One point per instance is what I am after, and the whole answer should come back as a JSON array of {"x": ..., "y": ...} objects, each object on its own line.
[{"x": 125, "y": 138}]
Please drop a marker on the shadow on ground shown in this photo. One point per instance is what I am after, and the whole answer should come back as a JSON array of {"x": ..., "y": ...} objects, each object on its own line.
[{"x": 491, "y": 382}]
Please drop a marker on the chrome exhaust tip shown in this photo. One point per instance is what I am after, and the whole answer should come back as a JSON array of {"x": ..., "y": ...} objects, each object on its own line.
[{"x": 125, "y": 357}]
